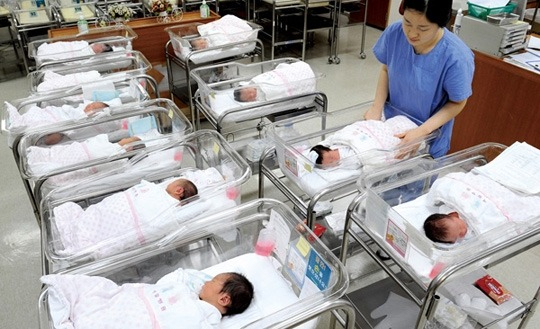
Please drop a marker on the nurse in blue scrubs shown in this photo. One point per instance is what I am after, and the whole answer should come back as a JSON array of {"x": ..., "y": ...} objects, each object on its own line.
[{"x": 427, "y": 71}]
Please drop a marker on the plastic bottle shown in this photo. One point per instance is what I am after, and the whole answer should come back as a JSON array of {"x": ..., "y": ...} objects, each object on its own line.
[
  {"x": 129, "y": 46},
  {"x": 82, "y": 24},
  {"x": 205, "y": 10},
  {"x": 266, "y": 242},
  {"x": 457, "y": 21}
]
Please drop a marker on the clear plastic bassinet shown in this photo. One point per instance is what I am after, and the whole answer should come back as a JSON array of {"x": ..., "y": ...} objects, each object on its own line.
[
  {"x": 217, "y": 85},
  {"x": 300, "y": 279},
  {"x": 70, "y": 73},
  {"x": 227, "y": 45},
  {"x": 112, "y": 38},
  {"x": 203, "y": 157},
  {"x": 125, "y": 90},
  {"x": 393, "y": 209},
  {"x": 293, "y": 138}
]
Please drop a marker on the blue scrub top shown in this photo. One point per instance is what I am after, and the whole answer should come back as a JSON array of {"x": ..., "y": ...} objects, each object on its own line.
[{"x": 420, "y": 85}]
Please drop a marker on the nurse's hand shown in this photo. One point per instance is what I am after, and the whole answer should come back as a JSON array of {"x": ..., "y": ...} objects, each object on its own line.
[
  {"x": 373, "y": 113},
  {"x": 413, "y": 137}
]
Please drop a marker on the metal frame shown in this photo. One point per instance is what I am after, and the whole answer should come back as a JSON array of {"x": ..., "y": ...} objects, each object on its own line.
[{"x": 428, "y": 297}]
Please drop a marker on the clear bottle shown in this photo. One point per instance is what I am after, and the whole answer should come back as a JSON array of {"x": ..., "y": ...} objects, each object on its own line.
[
  {"x": 82, "y": 24},
  {"x": 205, "y": 10},
  {"x": 457, "y": 21}
]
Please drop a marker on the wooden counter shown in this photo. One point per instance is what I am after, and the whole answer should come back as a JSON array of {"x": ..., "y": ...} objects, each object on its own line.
[
  {"x": 151, "y": 38},
  {"x": 504, "y": 107}
]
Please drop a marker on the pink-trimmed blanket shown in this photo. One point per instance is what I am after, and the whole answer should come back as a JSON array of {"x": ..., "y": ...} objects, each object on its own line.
[
  {"x": 87, "y": 302},
  {"x": 484, "y": 203}
]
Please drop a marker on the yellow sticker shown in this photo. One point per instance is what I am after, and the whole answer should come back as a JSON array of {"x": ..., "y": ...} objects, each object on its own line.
[
  {"x": 171, "y": 113},
  {"x": 303, "y": 246},
  {"x": 307, "y": 167},
  {"x": 216, "y": 148}
]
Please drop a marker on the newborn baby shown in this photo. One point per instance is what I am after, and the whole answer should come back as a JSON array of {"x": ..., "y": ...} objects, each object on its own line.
[
  {"x": 129, "y": 218},
  {"x": 182, "y": 299}
]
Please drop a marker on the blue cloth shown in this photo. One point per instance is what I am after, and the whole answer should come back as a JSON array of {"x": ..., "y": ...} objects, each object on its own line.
[{"x": 420, "y": 85}]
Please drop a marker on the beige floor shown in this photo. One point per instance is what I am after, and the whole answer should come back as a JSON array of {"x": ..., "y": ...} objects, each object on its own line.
[{"x": 346, "y": 84}]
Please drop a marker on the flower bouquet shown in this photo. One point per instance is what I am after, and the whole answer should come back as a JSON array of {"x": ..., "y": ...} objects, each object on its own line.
[
  {"x": 119, "y": 10},
  {"x": 161, "y": 6}
]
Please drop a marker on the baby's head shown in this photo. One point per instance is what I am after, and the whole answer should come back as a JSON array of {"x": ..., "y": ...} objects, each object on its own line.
[
  {"x": 181, "y": 189},
  {"x": 325, "y": 155},
  {"x": 98, "y": 48},
  {"x": 94, "y": 107},
  {"x": 245, "y": 94},
  {"x": 199, "y": 43},
  {"x": 445, "y": 228},
  {"x": 231, "y": 293}
]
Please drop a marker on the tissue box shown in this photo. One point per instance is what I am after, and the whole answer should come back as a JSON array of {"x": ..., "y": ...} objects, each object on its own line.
[{"x": 493, "y": 289}]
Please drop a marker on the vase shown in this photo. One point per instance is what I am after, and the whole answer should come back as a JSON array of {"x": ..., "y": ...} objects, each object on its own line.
[
  {"x": 119, "y": 20},
  {"x": 163, "y": 17}
]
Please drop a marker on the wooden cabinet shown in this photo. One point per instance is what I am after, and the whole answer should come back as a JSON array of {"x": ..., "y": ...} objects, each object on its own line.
[
  {"x": 377, "y": 15},
  {"x": 504, "y": 107}
]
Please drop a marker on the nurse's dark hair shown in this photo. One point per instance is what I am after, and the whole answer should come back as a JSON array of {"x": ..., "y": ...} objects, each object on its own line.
[{"x": 437, "y": 11}]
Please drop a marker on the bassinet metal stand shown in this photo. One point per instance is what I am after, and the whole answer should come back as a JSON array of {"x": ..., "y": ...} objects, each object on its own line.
[{"x": 334, "y": 45}]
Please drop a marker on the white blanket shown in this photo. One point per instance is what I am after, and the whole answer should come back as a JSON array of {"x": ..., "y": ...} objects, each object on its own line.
[
  {"x": 63, "y": 50},
  {"x": 226, "y": 30},
  {"x": 370, "y": 141},
  {"x": 36, "y": 116},
  {"x": 286, "y": 80},
  {"x": 52, "y": 80},
  {"x": 137, "y": 216},
  {"x": 43, "y": 160},
  {"x": 79, "y": 301},
  {"x": 484, "y": 203}
]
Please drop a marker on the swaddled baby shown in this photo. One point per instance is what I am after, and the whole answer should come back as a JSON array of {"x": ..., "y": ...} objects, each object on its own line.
[
  {"x": 42, "y": 160},
  {"x": 52, "y": 80},
  {"x": 361, "y": 143},
  {"x": 473, "y": 204},
  {"x": 36, "y": 116},
  {"x": 70, "y": 49},
  {"x": 287, "y": 79},
  {"x": 182, "y": 299}
]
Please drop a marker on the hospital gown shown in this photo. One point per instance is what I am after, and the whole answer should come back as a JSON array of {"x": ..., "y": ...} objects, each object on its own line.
[
  {"x": 80, "y": 301},
  {"x": 420, "y": 85}
]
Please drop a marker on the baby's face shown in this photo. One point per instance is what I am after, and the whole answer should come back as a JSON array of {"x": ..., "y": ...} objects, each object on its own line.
[
  {"x": 248, "y": 94},
  {"x": 330, "y": 157},
  {"x": 211, "y": 290},
  {"x": 200, "y": 43},
  {"x": 94, "y": 107},
  {"x": 456, "y": 228}
]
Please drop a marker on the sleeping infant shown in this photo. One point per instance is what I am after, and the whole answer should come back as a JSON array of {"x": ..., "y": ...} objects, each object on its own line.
[
  {"x": 182, "y": 299},
  {"x": 477, "y": 205},
  {"x": 357, "y": 139},
  {"x": 134, "y": 214},
  {"x": 70, "y": 49},
  {"x": 285, "y": 80},
  {"x": 42, "y": 160},
  {"x": 36, "y": 116}
]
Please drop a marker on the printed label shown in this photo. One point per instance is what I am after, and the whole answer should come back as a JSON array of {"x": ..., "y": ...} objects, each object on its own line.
[{"x": 396, "y": 238}]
